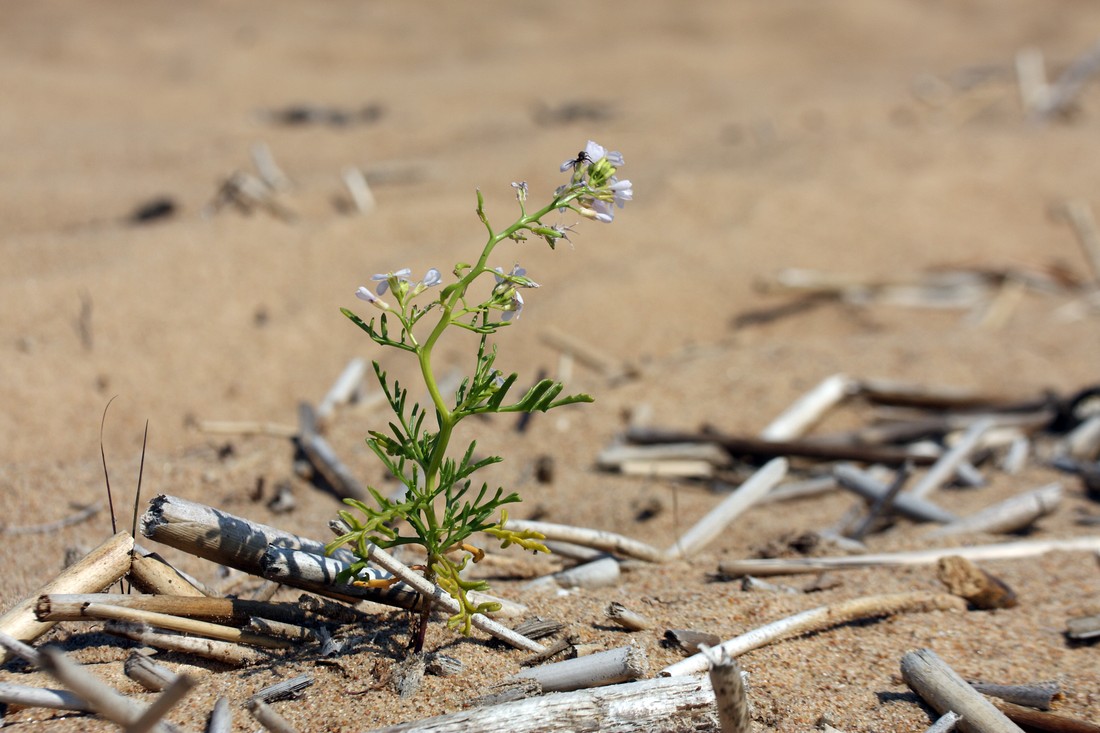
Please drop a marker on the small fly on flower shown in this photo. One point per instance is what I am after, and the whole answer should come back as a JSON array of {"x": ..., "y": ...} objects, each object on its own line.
[{"x": 574, "y": 163}]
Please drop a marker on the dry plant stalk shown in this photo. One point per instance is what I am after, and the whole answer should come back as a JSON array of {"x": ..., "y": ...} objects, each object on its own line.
[
  {"x": 1003, "y": 551},
  {"x": 949, "y": 462},
  {"x": 149, "y": 573},
  {"x": 593, "y": 670},
  {"x": 598, "y": 539},
  {"x": 819, "y": 618},
  {"x": 729, "y": 690},
  {"x": 183, "y": 625},
  {"x": 943, "y": 689},
  {"x": 97, "y": 570},
  {"x": 1010, "y": 515},
  {"x": 226, "y": 652},
  {"x": 810, "y": 408},
  {"x": 42, "y": 697}
]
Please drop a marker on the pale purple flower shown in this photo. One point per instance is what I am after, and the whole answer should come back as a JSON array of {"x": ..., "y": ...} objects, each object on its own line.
[
  {"x": 594, "y": 152},
  {"x": 431, "y": 278},
  {"x": 383, "y": 278},
  {"x": 521, "y": 190},
  {"x": 516, "y": 277},
  {"x": 513, "y": 309},
  {"x": 623, "y": 191},
  {"x": 364, "y": 293}
]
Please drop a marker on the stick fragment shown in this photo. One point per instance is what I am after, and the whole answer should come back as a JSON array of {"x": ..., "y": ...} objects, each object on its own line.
[
  {"x": 943, "y": 689},
  {"x": 268, "y": 718},
  {"x": 728, "y": 682},
  {"x": 822, "y": 617},
  {"x": 623, "y": 616},
  {"x": 42, "y": 697},
  {"x": 594, "y": 670},
  {"x": 1010, "y": 515},
  {"x": 599, "y": 539},
  {"x": 949, "y": 462},
  {"x": 1038, "y": 695},
  {"x": 810, "y": 408}
]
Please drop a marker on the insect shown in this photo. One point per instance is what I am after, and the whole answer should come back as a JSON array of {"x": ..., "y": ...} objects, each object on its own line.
[{"x": 582, "y": 157}]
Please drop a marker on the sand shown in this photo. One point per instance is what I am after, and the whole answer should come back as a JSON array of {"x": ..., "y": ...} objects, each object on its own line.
[{"x": 874, "y": 139}]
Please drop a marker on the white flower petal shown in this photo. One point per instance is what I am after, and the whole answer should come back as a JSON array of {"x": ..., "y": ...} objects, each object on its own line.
[{"x": 364, "y": 294}]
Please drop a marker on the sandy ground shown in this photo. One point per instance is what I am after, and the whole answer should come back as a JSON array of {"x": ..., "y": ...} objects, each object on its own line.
[{"x": 875, "y": 139}]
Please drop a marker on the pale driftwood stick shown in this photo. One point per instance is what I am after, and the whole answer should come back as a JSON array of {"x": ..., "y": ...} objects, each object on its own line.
[
  {"x": 358, "y": 188},
  {"x": 1038, "y": 695},
  {"x": 284, "y": 630},
  {"x": 800, "y": 489},
  {"x": 756, "y": 448},
  {"x": 882, "y": 506},
  {"x": 1066, "y": 88},
  {"x": 626, "y": 618},
  {"x": 684, "y": 705},
  {"x": 615, "y": 456},
  {"x": 599, "y": 539},
  {"x": 1004, "y": 551},
  {"x": 42, "y": 697},
  {"x": 103, "y": 699},
  {"x": 17, "y": 649},
  {"x": 267, "y": 168},
  {"x": 1010, "y": 515},
  {"x": 147, "y": 673},
  {"x": 946, "y": 466},
  {"x": 150, "y": 573},
  {"x": 285, "y": 690},
  {"x": 728, "y": 682},
  {"x": 248, "y": 427},
  {"x": 716, "y": 521},
  {"x": 183, "y": 625},
  {"x": 343, "y": 389},
  {"x": 571, "y": 551},
  {"x": 81, "y": 516},
  {"x": 97, "y": 570},
  {"x": 668, "y": 469},
  {"x": 1084, "y": 226},
  {"x": 220, "y": 651},
  {"x": 1083, "y": 441},
  {"x": 324, "y": 459},
  {"x": 586, "y": 354},
  {"x": 160, "y": 706},
  {"x": 943, "y": 689},
  {"x": 268, "y": 718},
  {"x": 810, "y": 408},
  {"x": 945, "y": 723},
  {"x": 1031, "y": 80},
  {"x": 1016, "y": 456},
  {"x": 440, "y": 597},
  {"x": 317, "y": 573},
  {"x": 596, "y": 574},
  {"x": 1034, "y": 720},
  {"x": 594, "y": 670},
  {"x": 823, "y": 617},
  {"x": 219, "y": 536},
  {"x": 221, "y": 717},
  {"x": 749, "y": 583},
  {"x": 70, "y": 607}
]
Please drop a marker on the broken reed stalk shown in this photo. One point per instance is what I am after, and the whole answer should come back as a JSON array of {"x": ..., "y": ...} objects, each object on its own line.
[
  {"x": 943, "y": 689},
  {"x": 440, "y": 597},
  {"x": 182, "y": 625},
  {"x": 1038, "y": 695},
  {"x": 599, "y": 573},
  {"x": 70, "y": 607},
  {"x": 317, "y": 573},
  {"x": 596, "y": 538},
  {"x": 162, "y": 704},
  {"x": 949, "y": 462},
  {"x": 42, "y": 697},
  {"x": 150, "y": 573},
  {"x": 594, "y": 670},
  {"x": 1003, "y": 551},
  {"x": 728, "y": 682},
  {"x": 716, "y": 521},
  {"x": 910, "y": 507},
  {"x": 104, "y": 700},
  {"x": 343, "y": 389},
  {"x": 945, "y": 723},
  {"x": 221, "y": 717},
  {"x": 1013, "y": 514},
  {"x": 226, "y": 652},
  {"x": 810, "y": 408},
  {"x": 268, "y": 718},
  {"x": 681, "y": 705},
  {"x": 1035, "y": 720},
  {"x": 819, "y": 618},
  {"x": 97, "y": 570},
  {"x": 629, "y": 620},
  {"x": 147, "y": 673}
]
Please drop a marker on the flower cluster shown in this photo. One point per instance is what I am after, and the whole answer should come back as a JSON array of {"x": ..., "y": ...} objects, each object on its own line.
[{"x": 594, "y": 171}]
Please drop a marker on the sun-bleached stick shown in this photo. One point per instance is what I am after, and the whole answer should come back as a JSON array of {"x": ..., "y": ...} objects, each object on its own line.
[
  {"x": 42, "y": 697},
  {"x": 1009, "y": 515},
  {"x": 593, "y": 670},
  {"x": 183, "y": 625},
  {"x": 150, "y": 573},
  {"x": 907, "y": 505},
  {"x": 317, "y": 573},
  {"x": 162, "y": 704},
  {"x": 729, "y": 691},
  {"x": 945, "y": 723},
  {"x": 343, "y": 389},
  {"x": 822, "y": 617},
  {"x": 597, "y": 538},
  {"x": 70, "y": 607},
  {"x": 716, "y": 521},
  {"x": 946, "y": 466},
  {"x": 810, "y": 408},
  {"x": 147, "y": 673},
  {"x": 440, "y": 597},
  {"x": 1002, "y": 551},
  {"x": 221, "y": 717},
  {"x": 95, "y": 571},
  {"x": 221, "y": 651},
  {"x": 681, "y": 705},
  {"x": 1038, "y": 695},
  {"x": 943, "y": 689},
  {"x": 359, "y": 189},
  {"x": 266, "y": 716}
]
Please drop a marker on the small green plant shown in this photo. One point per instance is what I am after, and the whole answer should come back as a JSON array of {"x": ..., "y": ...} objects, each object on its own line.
[{"x": 441, "y": 509}]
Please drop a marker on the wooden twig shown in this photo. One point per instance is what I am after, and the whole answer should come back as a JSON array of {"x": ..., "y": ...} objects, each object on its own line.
[
  {"x": 1040, "y": 722},
  {"x": 269, "y": 171},
  {"x": 317, "y": 573},
  {"x": 1010, "y": 515},
  {"x": 800, "y": 489},
  {"x": 286, "y": 690},
  {"x": 221, "y": 717},
  {"x": 97, "y": 570},
  {"x": 629, "y": 620},
  {"x": 728, "y": 682},
  {"x": 220, "y": 651},
  {"x": 596, "y": 538},
  {"x": 343, "y": 389},
  {"x": 682, "y": 705},
  {"x": 797, "y": 419},
  {"x": 147, "y": 673},
  {"x": 1004, "y": 551},
  {"x": 1083, "y": 442},
  {"x": 324, "y": 459},
  {"x": 16, "y": 649},
  {"x": 268, "y": 718},
  {"x": 594, "y": 670},
  {"x": 164, "y": 702},
  {"x": 949, "y": 462},
  {"x": 766, "y": 449},
  {"x": 356, "y": 183},
  {"x": 70, "y": 607},
  {"x": 943, "y": 689},
  {"x": 716, "y": 521},
  {"x": 183, "y": 625},
  {"x": 599, "y": 573},
  {"x": 1038, "y": 695},
  {"x": 151, "y": 573},
  {"x": 823, "y": 617},
  {"x": 881, "y": 507},
  {"x": 945, "y": 723},
  {"x": 42, "y": 697},
  {"x": 50, "y": 527},
  {"x": 1031, "y": 80}
]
